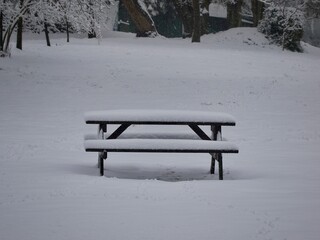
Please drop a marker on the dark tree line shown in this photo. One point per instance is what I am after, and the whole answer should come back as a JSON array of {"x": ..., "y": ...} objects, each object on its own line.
[
  {"x": 90, "y": 16},
  {"x": 194, "y": 15}
]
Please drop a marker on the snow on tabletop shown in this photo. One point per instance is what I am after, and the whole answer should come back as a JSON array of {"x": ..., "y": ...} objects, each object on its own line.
[
  {"x": 160, "y": 144},
  {"x": 159, "y": 116}
]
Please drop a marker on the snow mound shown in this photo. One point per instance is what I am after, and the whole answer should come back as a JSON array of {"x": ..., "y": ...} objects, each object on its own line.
[{"x": 239, "y": 38}]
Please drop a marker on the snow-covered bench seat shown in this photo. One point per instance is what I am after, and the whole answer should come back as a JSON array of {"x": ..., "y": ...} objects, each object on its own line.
[
  {"x": 160, "y": 145},
  {"x": 200, "y": 142}
]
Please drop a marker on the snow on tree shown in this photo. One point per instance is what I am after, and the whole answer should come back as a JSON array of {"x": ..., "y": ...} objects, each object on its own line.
[
  {"x": 51, "y": 15},
  {"x": 43, "y": 15},
  {"x": 11, "y": 13},
  {"x": 312, "y": 8},
  {"x": 83, "y": 16},
  {"x": 283, "y": 25}
]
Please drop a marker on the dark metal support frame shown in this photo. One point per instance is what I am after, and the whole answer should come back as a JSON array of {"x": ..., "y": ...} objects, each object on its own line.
[
  {"x": 216, "y": 136},
  {"x": 102, "y": 130}
]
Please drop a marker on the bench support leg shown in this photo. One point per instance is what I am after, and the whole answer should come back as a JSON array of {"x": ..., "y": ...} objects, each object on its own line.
[
  {"x": 220, "y": 166},
  {"x": 101, "y": 164},
  {"x": 119, "y": 131},
  {"x": 213, "y": 164},
  {"x": 102, "y": 157},
  {"x": 102, "y": 130},
  {"x": 199, "y": 132},
  {"x": 216, "y": 136}
]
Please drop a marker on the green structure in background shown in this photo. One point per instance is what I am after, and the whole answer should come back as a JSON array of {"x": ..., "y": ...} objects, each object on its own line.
[
  {"x": 169, "y": 25},
  {"x": 124, "y": 23}
]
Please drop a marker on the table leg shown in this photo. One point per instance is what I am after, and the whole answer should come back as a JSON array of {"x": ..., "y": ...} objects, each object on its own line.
[
  {"x": 216, "y": 136},
  {"x": 220, "y": 166},
  {"x": 213, "y": 162},
  {"x": 102, "y": 129}
]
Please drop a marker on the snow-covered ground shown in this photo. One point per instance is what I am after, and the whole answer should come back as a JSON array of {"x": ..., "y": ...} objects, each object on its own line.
[{"x": 50, "y": 187}]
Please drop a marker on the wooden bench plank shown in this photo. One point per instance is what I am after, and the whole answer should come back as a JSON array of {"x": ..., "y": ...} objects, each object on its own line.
[{"x": 160, "y": 145}]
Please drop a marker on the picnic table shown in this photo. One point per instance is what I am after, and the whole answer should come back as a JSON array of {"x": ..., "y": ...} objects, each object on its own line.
[{"x": 121, "y": 141}]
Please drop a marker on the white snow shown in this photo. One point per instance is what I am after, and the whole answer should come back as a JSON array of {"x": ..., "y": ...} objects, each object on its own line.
[
  {"x": 151, "y": 115},
  {"x": 160, "y": 144},
  {"x": 50, "y": 187}
]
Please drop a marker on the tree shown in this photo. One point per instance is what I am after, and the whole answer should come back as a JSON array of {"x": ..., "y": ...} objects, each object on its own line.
[
  {"x": 196, "y": 33},
  {"x": 43, "y": 17},
  {"x": 141, "y": 18},
  {"x": 19, "y": 31},
  {"x": 234, "y": 13},
  {"x": 11, "y": 12},
  {"x": 204, "y": 16},
  {"x": 185, "y": 13},
  {"x": 49, "y": 15},
  {"x": 257, "y": 7},
  {"x": 1, "y": 24},
  {"x": 84, "y": 16},
  {"x": 283, "y": 25},
  {"x": 95, "y": 13},
  {"x": 312, "y": 8}
]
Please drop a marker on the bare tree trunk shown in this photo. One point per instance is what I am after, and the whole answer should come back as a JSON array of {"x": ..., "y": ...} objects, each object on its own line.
[
  {"x": 234, "y": 14},
  {"x": 185, "y": 12},
  {"x": 68, "y": 35},
  {"x": 142, "y": 20},
  {"x": 257, "y": 8},
  {"x": 92, "y": 34},
  {"x": 1, "y": 31},
  {"x": 46, "y": 31},
  {"x": 196, "y": 33},
  {"x": 19, "y": 31},
  {"x": 19, "y": 34}
]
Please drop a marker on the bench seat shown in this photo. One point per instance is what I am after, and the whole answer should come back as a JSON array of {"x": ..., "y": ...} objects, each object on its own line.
[{"x": 160, "y": 145}]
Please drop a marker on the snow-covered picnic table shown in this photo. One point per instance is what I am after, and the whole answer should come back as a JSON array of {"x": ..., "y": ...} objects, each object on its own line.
[{"x": 199, "y": 142}]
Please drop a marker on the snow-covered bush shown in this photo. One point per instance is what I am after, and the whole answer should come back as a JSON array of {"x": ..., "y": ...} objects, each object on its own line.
[
  {"x": 43, "y": 12},
  {"x": 11, "y": 12},
  {"x": 283, "y": 26}
]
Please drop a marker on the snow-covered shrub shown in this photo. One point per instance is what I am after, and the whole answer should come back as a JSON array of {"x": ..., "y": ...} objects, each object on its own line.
[{"x": 283, "y": 26}]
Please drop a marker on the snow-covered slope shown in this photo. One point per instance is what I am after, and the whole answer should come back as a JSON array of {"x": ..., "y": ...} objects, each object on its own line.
[{"x": 50, "y": 188}]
